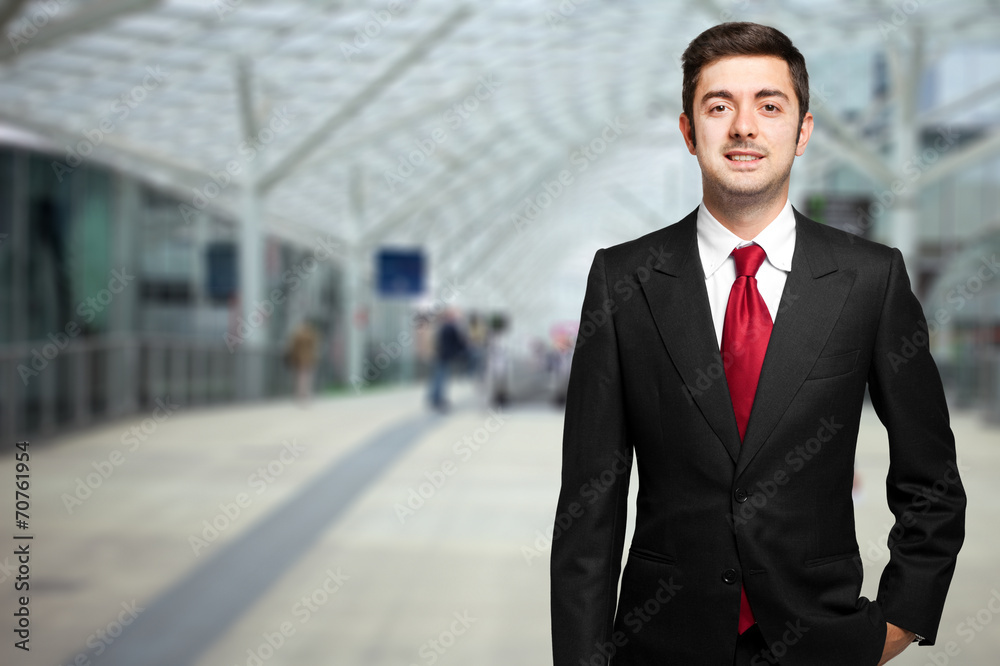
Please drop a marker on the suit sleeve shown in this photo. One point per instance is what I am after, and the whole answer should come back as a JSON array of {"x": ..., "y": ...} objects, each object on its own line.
[
  {"x": 923, "y": 486},
  {"x": 589, "y": 531}
]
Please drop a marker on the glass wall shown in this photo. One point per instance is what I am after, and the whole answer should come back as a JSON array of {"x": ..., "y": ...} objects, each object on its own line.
[{"x": 111, "y": 298}]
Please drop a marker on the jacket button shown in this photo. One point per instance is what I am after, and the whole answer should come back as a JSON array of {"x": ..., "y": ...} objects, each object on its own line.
[
  {"x": 729, "y": 576},
  {"x": 742, "y": 495}
]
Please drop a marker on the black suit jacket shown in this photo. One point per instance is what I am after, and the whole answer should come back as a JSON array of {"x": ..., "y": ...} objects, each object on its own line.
[{"x": 774, "y": 514}]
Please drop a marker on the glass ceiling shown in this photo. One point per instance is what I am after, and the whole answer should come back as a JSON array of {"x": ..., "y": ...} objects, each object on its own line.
[{"x": 408, "y": 123}]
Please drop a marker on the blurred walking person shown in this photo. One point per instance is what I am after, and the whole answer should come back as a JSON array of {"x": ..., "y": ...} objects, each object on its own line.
[
  {"x": 450, "y": 346},
  {"x": 302, "y": 357}
]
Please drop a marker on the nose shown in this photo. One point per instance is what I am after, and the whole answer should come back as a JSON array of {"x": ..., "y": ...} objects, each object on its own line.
[{"x": 744, "y": 124}]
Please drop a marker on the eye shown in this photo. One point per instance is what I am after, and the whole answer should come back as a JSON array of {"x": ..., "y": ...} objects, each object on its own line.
[
  {"x": 718, "y": 107},
  {"x": 771, "y": 108}
]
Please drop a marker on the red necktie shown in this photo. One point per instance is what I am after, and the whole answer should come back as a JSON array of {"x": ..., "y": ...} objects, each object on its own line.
[{"x": 745, "y": 333}]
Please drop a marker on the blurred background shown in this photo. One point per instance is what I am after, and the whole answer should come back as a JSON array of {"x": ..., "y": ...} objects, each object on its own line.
[{"x": 289, "y": 291}]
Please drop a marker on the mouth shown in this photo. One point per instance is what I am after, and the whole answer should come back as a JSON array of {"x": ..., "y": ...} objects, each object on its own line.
[{"x": 743, "y": 156}]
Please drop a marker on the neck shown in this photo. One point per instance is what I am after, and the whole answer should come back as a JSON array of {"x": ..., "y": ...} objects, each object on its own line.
[{"x": 745, "y": 216}]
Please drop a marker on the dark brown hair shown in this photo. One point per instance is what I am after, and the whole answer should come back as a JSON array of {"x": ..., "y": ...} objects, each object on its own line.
[{"x": 742, "y": 39}]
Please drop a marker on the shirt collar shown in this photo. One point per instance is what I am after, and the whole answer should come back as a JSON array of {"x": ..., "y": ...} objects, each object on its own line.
[{"x": 716, "y": 243}]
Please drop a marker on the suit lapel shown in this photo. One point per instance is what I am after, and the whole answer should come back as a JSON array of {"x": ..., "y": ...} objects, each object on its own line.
[
  {"x": 678, "y": 301},
  {"x": 814, "y": 295}
]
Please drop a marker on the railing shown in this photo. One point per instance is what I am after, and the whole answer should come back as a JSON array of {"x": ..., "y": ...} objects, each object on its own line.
[{"x": 45, "y": 389}]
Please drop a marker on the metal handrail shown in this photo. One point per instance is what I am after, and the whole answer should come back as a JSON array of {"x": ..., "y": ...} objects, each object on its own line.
[{"x": 45, "y": 388}]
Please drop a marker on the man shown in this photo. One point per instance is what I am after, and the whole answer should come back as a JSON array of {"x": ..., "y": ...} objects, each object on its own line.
[
  {"x": 729, "y": 353},
  {"x": 450, "y": 346}
]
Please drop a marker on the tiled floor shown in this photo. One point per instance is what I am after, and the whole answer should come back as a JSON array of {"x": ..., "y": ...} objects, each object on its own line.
[{"x": 358, "y": 531}]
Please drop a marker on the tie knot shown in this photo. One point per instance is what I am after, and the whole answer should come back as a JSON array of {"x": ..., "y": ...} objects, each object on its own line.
[{"x": 748, "y": 260}]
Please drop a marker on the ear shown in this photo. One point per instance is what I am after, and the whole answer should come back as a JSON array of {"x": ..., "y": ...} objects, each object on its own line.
[
  {"x": 804, "y": 134},
  {"x": 687, "y": 131}
]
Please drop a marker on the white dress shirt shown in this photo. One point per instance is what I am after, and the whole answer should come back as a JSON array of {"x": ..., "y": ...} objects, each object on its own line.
[{"x": 716, "y": 243}]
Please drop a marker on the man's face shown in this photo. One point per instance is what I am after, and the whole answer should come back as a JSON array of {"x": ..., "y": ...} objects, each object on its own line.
[{"x": 746, "y": 119}]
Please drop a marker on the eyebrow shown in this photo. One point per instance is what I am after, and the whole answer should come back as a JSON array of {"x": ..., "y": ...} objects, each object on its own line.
[{"x": 725, "y": 94}]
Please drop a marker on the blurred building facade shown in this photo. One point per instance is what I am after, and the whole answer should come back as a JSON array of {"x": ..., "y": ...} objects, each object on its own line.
[{"x": 110, "y": 299}]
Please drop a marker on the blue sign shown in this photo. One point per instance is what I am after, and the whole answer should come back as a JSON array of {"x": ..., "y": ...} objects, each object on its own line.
[{"x": 400, "y": 272}]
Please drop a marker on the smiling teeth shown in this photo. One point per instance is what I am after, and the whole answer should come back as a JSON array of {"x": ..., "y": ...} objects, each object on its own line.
[{"x": 744, "y": 158}]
